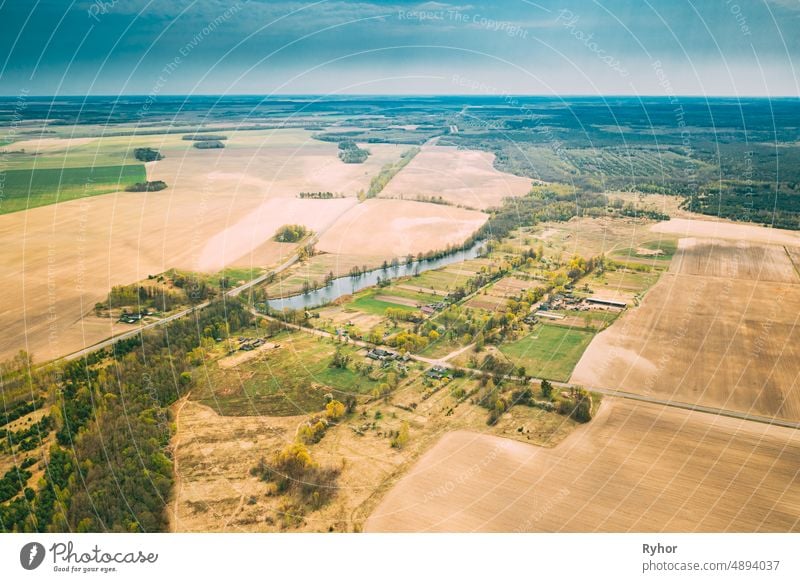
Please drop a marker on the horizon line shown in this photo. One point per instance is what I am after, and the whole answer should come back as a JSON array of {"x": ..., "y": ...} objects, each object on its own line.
[{"x": 409, "y": 95}]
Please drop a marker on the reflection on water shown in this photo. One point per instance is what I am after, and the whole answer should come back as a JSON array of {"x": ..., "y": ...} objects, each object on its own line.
[{"x": 348, "y": 285}]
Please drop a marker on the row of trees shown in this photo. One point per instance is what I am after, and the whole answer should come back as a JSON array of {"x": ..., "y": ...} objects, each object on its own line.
[{"x": 379, "y": 182}]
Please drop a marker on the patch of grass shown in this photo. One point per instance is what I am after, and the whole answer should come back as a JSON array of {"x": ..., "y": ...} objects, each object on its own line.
[
  {"x": 621, "y": 280},
  {"x": 235, "y": 274},
  {"x": 287, "y": 381},
  {"x": 668, "y": 248},
  {"x": 593, "y": 318},
  {"x": 549, "y": 351},
  {"x": 440, "y": 348},
  {"x": 367, "y": 303},
  {"x": 32, "y": 188}
]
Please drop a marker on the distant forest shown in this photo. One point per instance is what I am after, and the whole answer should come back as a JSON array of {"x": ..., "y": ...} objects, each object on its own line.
[{"x": 729, "y": 157}]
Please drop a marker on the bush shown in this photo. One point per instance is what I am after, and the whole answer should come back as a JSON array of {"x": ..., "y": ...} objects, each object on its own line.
[
  {"x": 296, "y": 474},
  {"x": 400, "y": 440}
]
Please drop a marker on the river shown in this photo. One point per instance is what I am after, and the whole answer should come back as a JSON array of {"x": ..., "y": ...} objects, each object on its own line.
[{"x": 348, "y": 285}]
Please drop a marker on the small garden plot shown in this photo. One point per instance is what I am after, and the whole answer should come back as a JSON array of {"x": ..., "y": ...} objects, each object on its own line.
[
  {"x": 550, "y": 351},
  {"x": 510, "y": 286},
  {"x": 486, "y": 302}
]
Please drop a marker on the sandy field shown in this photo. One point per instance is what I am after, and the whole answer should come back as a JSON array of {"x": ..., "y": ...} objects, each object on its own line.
[
  {"x": 461, "y": 177},
  {"x": 719, "y": 329},
  {"x": 729, "y": 230},
  {"x": 241, "y": 239},
  {"x": 635, "y": 467},
  {"x": 591, "y": 237},
  {"x": 60, "y": 260},
  {"x": 213, "y": 455},
  {"x": 396, "y": 228}
]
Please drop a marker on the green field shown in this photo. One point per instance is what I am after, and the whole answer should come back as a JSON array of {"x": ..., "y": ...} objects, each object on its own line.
[
  {"x": 597, "y": 320},
  {"x": 668, "y": 248},
  {"x": 22, "y": 189},
  {"x": 287, "y": 381},
  {"x": 622, "y": 280},
  {"x": 549, "y": 351},
  {"x": 368, "y": 304},
  {"x": 368, "y": 301}
]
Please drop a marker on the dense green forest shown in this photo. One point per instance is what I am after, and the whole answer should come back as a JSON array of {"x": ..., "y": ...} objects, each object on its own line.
[{"x": 108, "y": 467}]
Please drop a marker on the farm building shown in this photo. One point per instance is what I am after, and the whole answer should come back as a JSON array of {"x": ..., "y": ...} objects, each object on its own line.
[{"x": 606, "y": 302}]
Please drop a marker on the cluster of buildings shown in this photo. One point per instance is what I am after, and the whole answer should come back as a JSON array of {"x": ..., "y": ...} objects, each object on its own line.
[{"x": 559, "y": 301}]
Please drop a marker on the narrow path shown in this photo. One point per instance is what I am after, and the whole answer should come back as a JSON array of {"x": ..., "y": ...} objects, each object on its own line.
[{"x": 177, "y": 486}]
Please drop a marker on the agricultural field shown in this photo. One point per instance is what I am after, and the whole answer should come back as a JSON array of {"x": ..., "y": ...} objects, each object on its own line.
[
  {"x": 725, "y": 229},
  {"x": 24, "y": 189},
  {"x": 495, "y": 296},
  {"x": 625, "y": 282},
  {"x": 448, "y": 175},
  {"x": 618, "y": 238},
  {"x": 204, "y": 220},
  {"x": 635, "y": 467},
  {"x": 722, "y": 322},
  {"x": 549, "y": 351},
  {"x": 396, "y": 228}
]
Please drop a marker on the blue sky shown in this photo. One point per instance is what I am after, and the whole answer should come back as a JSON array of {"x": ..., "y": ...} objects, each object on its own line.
[{"x": 650, "y": 47}]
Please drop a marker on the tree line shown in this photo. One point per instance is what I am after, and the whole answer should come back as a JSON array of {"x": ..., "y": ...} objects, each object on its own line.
[{"x": 109, "y": 466}]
